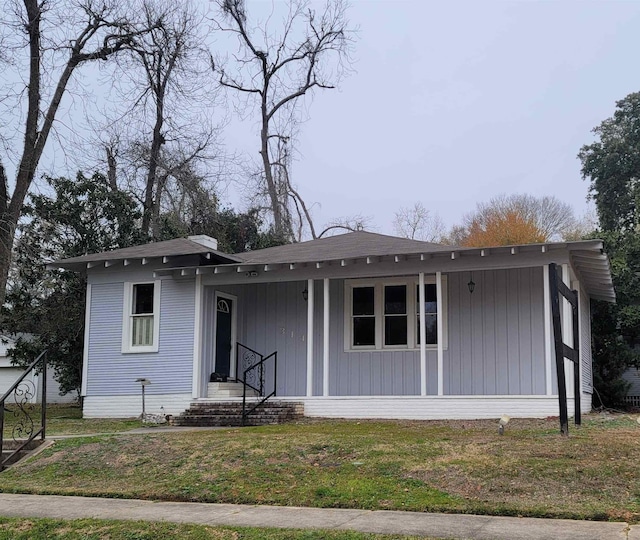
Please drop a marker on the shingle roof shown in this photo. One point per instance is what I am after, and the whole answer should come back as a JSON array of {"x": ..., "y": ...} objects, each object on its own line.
[
  {"x": 167, "y": 248},
  {"x": 350, "y": 245},
  {"x": 586, "y": 255}
]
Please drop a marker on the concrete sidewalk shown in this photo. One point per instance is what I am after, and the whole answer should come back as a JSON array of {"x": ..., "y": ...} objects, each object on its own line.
[{"x": 379, "y": 521}]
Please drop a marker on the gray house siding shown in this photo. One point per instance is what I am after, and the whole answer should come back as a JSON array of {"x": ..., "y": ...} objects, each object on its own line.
[
  {"x": 112, "y": 373},
  {"x": 496, "y": 334},
  {"x": 363, "y": 373},
  {"x": 585, "y": 343},
  {"x": 270, "y": 317},
  {"x": 495, "y": 338}
]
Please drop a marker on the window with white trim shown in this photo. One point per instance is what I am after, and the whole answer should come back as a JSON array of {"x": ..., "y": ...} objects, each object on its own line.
[
  {"x": 378, "y": 313},
  {"x": 141, "y": 317}
]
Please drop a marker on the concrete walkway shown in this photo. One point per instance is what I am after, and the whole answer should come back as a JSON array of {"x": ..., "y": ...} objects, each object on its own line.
[{"x": 388, "y": 522}]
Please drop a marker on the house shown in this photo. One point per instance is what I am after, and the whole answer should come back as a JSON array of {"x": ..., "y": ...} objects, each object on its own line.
[
  {"x": 364, "y": 325},
  {"x": 31, "y": 389},
  {"x": 632, "y": 376}
]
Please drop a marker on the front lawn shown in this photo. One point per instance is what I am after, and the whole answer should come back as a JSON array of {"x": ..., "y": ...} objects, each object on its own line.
[
  {"x": 457, "y": 466},
  {"x": 94, "y": 529},
  {"x": 67, "y": 420}
]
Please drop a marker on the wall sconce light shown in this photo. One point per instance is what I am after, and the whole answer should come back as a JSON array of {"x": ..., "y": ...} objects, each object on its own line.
[
  {"x": 471, "y": 284},
  {"x": 305, "y": 294}
]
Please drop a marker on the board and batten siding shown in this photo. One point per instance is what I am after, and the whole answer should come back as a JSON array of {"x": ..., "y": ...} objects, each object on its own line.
[
  {"x": 272, "y": 317},
  {"x": 495, "y": 339},
  {"x": 496, "y": 333},
  {"x": 112, "y": 373}
]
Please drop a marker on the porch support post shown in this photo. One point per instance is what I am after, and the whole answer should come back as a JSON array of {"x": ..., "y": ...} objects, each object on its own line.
[
  {"x": 423, "y": 338},
  {"x": 197, "y": 339},
  {"x": 567, "y": 333},
  {"x": 548, "y": 334},
  {"x": 325, "y": 345},
  {"x": 440, "y": 334},
  {"x": 85, "y": 350},
  {"x": 310, "y": 290}
]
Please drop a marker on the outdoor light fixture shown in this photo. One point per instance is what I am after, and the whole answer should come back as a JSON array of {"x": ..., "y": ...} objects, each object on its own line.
[
  {"x": 305, "y": 294},
  {"x": 471, "y": 284},
  {"x": 504, "y": 420},
  {"x": 143, "y": 382}
]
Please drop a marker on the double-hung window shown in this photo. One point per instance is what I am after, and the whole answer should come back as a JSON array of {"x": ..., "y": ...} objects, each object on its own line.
[
  {"x": 363, "y": 317},
  {"x": 430, "y": 314},
  {"x": 385, "y": 314},
  {"x": 141, "y": 317},
  {"x": 395, "y": 315}
]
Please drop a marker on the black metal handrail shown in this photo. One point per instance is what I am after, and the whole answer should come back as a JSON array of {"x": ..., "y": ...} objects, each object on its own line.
[
  {"x": 254, "y": 373},
  {"x": 252, "y": 358},
  {"x": 24, "y": 432}
]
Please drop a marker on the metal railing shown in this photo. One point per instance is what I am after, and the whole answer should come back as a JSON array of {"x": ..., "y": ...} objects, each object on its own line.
[
  {"x": 252, "y": 364},
  {"x": 25, "y": 428}
]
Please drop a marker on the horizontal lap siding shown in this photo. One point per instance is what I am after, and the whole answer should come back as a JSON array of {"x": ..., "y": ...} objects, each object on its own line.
[
  {"x": 170, "y": 369},
  {"x": 585, "y": 343},
  {"x": 496, "y": 334}
]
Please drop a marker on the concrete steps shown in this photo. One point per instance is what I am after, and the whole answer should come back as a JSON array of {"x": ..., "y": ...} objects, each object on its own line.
[
  {"x": 217, "y": 390},
  {"x": 9, "y": 446},
  {"x": 229, "y": 413}
]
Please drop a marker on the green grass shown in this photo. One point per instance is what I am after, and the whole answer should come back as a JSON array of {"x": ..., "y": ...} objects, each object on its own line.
[
  {"x": 419, "y": 466},
  {"x": 93, "y": 529},
  {"x": 67, "y": 420}
]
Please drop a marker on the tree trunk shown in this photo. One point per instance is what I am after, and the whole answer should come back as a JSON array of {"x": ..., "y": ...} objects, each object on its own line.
[
  {"x": 111, "y": 169},
  {"x": 278, "y": 219},
  {"x": 149, "y": 225}
]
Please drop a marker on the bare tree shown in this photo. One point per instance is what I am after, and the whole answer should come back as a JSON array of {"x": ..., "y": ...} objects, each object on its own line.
[
  {"x": 349, "y": 224},
  {"x": 418, "y": 223},
  {"x": 276, "y": 69},
  {"x": 92, "y": 31},
  {"x": 165, "y": 99}
]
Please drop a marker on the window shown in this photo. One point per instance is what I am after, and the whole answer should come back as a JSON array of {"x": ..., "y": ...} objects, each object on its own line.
[
  {"x": 378, "y": 313},
  {"x": 364, "y": 317},
  {"x": 141, "y": 317},
  {"x": 395, "y": 315},
  {"x": 430, "y": 313}
]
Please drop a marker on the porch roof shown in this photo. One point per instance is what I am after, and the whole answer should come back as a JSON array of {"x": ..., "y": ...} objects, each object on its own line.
[
  {"x": 586, "y": 256},
  {"x": 169, "y": 248}
]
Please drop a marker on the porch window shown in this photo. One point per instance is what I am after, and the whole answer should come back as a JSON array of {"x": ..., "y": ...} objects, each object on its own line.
[
  {"x": 395, "y": 315},
  {"x": 430, "y": 313},
  {"x": 385, "y": 313},
  {"x": 141, "y": 317},
  {"x": 364, "y": 317}
]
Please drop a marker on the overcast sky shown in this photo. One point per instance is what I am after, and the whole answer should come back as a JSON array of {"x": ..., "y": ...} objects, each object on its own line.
[
  {"x": 452, "y": 103},
  {"x": 449, "y": 103}
]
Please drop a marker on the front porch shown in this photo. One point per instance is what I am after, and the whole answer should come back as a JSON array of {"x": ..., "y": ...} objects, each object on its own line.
[{"x": 494, "y": 341}]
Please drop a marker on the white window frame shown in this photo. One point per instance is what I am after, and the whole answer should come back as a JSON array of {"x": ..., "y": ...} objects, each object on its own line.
[
  {"x": 413, "y": 331},
  {"x": 127, "y": 318}
]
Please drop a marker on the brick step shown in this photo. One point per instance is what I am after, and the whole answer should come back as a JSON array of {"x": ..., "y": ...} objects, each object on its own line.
[
  {"x": 223, "y": 410},
  {"x": 230, "y": 414}
]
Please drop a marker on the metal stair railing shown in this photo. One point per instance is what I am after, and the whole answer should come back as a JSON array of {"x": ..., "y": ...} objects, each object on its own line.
[
  {"x": 24, "y": 429},
  {"x": 253, "y": 377}
]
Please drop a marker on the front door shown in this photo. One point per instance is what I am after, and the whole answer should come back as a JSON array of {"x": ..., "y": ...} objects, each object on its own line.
[{"x": 224, "y": 338}]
